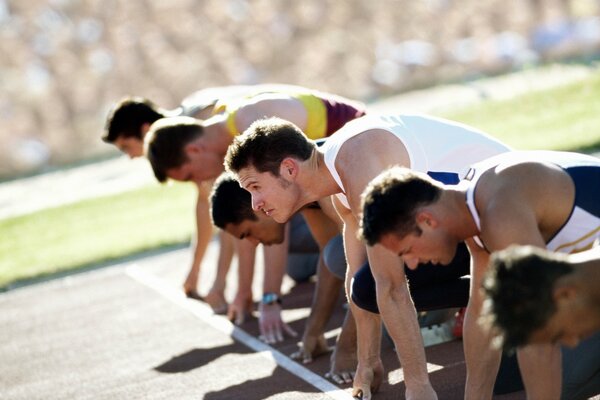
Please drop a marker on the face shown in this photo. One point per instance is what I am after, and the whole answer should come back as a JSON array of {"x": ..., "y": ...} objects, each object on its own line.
[
  {"x": 131, "y": 146},
  {"x": 430, "y": 246},
  {"x": 202, "y": 165},
  {"x": 265, "y": 230},
  {"x": 571, "y": 323},
  {"x": 275, "y": 196}
]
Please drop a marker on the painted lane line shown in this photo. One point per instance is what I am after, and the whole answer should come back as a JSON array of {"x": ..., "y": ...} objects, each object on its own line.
[{"x": 204, "y": 313}]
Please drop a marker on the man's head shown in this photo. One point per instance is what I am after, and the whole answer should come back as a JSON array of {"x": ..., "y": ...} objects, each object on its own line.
[
  {"x": 267, "y": 159},
  {"x": 530, "y": 298},
  {"x": 396, "y": 213},
  {"x": 175, "y": 150},
  {"x": 127, "y": 124},
  {"x": 231, "y": 210}
]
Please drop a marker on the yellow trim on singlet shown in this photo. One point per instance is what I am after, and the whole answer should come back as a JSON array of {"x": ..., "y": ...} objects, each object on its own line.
[
  {"x": 584, "y": 237},
  {"x": 316, "y": 113}
]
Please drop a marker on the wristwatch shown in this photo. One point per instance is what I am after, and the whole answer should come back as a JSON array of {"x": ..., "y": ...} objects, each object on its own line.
[{"x": 270, "y": 298}]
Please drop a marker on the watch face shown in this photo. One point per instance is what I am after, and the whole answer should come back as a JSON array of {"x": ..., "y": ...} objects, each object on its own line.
[{"x": 269, "y": 298}]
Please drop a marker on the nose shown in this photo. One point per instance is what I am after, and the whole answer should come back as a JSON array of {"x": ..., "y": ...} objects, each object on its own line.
[
  {"x": 257, "y": 203},
  {"x": 570, "y": 341},
  {"x": 411, "y": 262}
]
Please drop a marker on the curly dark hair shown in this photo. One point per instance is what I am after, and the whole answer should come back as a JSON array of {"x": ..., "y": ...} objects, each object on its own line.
[
  {"x": 126, "y": 118},
  {"x": 390, "y": 201},
  {"x": 265, "y": 144},
  {"x": 518, "y": 287},
  {"x": 229, "y": 203}
]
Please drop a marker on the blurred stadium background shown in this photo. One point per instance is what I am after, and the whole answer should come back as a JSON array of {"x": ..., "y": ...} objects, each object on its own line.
[{"x": 64, "y": 62}]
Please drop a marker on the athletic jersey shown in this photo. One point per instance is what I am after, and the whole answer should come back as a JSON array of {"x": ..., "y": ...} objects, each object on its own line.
[
  {"x": 441, "y": 148},
  {"x": 581, "y": 231},
  {"x": 208, "y": 97},
  {"x": 326, "y": 113}
]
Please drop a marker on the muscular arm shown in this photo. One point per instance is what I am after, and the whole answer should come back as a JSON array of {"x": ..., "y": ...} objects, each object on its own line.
[
  {"x": 271, "y": 324},
  {"x": 508, "y": 217},
  {"x": 327, "y": 288},
  {"x": 357, "y": 166},
  {"x": 481, "y": 359},
  {"x": 369, "y": 371},
  {"x": 202, "y": 238}
]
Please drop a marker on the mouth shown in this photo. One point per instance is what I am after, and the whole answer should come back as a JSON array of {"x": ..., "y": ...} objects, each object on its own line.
[{"x": 268, "y": 212}]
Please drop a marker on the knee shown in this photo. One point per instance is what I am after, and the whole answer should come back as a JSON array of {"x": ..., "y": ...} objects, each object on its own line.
[
  {"x": 334, "y": 257},
  {"x": 300, "y": 267},
  {"x": 362, "y": 290}
]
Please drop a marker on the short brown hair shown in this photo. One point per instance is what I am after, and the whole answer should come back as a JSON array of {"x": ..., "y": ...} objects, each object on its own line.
[
  {"x": 166, "y": 140},
  {"x": 127, "y": 116},
  {"x": 265, "y": 144},
  {"x": 519, "y": 290},
  {"x": 389, "y": 203}
]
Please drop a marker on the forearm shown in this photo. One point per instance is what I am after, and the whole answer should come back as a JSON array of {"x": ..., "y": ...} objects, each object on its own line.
[
  {"x": 246, "y": 254},
  {"x": 368, "y": 335},
  {"x": 325, "y": 297},
  {"x": 275, "y": 263},
  {"x": 400, "y": 318},
  {"x": 482, "y": 360},
  {"x": 201, "y": 239}
]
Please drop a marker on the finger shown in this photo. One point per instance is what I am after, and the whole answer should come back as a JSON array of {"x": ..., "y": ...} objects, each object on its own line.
[
  {"x": 269, "y": 337},
  {"x": 278, "y": 335},
  {"x": 346, "y": 377},
  {"x": 241, "y": 317},
  {"x": 362, "y": 392},
  {"x": 337, "y": 379},
  {"x": 307, "y": 359},
  {"x": 231, "y": 314},
  {"x": 289, "y": 330}
]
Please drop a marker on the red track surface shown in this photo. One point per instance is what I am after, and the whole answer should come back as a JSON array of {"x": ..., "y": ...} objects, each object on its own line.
[{"x": 109, "y": 334}]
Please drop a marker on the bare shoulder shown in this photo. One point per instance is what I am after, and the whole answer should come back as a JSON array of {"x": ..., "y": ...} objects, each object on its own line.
[
  {"x": 364, "y": 156},
  {"x": 372, "y": 147}
]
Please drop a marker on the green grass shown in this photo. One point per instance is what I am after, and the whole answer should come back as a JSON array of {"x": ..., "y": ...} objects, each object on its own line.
[
  {"x": 95, "y": 231},
  {"x": 564, "y": 118},
  {"x": 100, "y": 230}
]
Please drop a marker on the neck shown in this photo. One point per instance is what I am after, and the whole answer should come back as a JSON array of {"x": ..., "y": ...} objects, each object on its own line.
[
  {"x": 460, "y": 220},
  {"x": 316, "y": 181},
  {"x": 587, "y": 278},
  {"x": 216, "y": 135}
]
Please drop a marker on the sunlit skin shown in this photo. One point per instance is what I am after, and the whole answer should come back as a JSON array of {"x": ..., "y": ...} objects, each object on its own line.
[
  {"x": 577, "y": 301},
  {"x": 432, "y": 245},
  {"x": 131, "y": 146},
  {"x": 264, "y": 230},
  {"x": 277, "y": 197},
  {"x": 571, "y": 323},
  {"x": 201, "y": 165}
]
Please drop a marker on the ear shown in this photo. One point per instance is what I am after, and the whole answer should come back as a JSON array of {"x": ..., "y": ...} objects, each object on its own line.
[
  {"x": 426, "y": 218},
  {"x": 193, "y": 148},
  {"x": 144, "y": 129},
  {"x": 563, "y": 292},
  {"x": 288, "y": 169}
]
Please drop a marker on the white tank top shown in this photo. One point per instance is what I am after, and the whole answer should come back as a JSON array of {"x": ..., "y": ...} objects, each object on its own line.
[
  {"x": 434, "y": 145},
  {"x": 581, "y": 231}
]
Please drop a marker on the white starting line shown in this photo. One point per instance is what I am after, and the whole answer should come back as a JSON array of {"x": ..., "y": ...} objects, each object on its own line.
[{"x": 204, "y": 313}]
